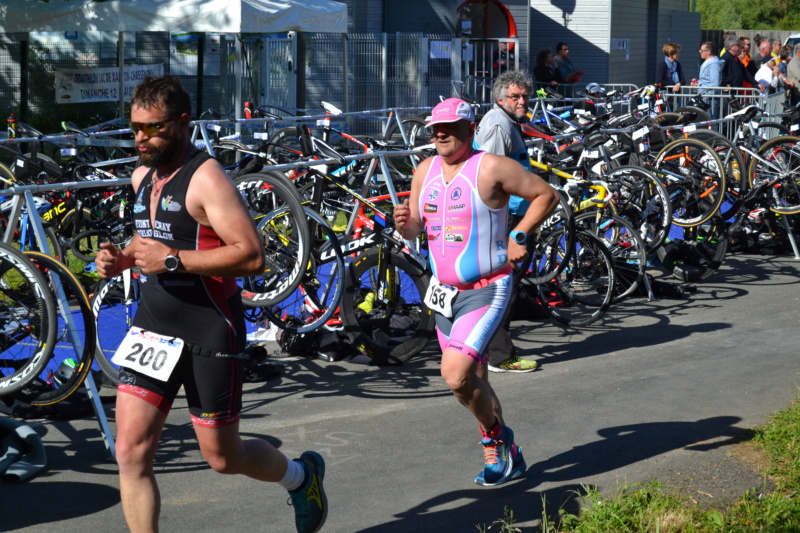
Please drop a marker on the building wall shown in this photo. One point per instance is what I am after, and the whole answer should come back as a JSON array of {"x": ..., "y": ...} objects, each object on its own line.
[
  {"x": 629, "y": 24},
  {"x": 427, "y": 16},
  {"x": 583, "y": 24},
  {"x": 520, "y": 11}
]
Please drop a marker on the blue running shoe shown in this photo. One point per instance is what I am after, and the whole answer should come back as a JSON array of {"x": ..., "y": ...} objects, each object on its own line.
[
  {"x": 518, "y": 468},
  {"x": 497, "y": 457},
  {"x": 309, "y": 501}
]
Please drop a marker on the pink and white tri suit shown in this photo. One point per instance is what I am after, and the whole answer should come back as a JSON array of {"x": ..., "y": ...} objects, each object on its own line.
[{"x": 467, "y": 249}]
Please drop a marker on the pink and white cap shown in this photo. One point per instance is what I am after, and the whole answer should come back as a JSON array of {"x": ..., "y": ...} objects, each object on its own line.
[{"x": 451, "y": 110}]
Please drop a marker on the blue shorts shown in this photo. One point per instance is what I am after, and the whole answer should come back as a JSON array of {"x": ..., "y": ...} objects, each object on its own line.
[{"x": 476, "y": 316}]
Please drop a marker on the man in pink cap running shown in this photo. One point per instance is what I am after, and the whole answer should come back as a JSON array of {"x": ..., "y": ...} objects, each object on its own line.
[{"x": 459, "y": 198}]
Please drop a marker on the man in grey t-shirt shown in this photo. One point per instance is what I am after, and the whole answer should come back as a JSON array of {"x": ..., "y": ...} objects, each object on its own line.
[{"x": 499, "y": 133}]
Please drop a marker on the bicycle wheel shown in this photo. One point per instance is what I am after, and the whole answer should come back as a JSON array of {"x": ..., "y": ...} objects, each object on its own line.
[
  {"x": 27, "y": 321},
  {"x": 382, "y": 306},
  {"x": 733, "y": 162},
  {"x": 72, "y": 223},
  {"x": 695, "y": 253},
  {"x": 73, "y": 350},
  {"x": 86, "y": 244},
  {"x": 627, "y": 248},
  {"x": 114, "y": 304},
  {"x": 695, "y": 179},
  {"x": 779, "y": 164},
  {"x": 316, "y": 299},
  {"x": 286, "y": 245},
  {"x": 695, "y": 114},
  {"x": 7, "y": 178},
  {"x": 284, "y": 146},
  {"x": 24, "y": 239},
  {"x": 537, "y": 268},
  {"x": 671, "y": 119},
  {"x": 640, "y": 197},
  {"x": 582, "y": 293},
  {"x": 416, "y": 135},
  {"x": 42, "y": 169},
  {"x": 764, "y": 132}
]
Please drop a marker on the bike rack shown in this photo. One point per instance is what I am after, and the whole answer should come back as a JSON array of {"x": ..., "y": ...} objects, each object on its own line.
[{"x": 23, "y": 199}]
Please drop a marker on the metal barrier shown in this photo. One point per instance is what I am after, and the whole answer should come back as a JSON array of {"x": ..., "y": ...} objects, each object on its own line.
[{"x": 720, "y": 99}]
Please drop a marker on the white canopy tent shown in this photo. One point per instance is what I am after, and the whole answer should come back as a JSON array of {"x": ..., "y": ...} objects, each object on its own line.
[{"x": 217, "y": 16}]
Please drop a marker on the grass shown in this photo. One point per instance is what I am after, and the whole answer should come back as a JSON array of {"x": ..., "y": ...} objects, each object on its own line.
[{"x": 654, "y": 508}]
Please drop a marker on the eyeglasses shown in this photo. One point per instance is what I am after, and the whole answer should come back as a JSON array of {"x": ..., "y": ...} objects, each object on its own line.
[
  {"x": 149, "y": 128},
  {"x": 518, "y": 96}
]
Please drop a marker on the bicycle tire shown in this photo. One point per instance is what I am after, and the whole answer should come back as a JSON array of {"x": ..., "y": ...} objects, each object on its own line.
[
  {"x": 765, "y": 132},
  {"x": 537, "y": 269},
  {"x": 639, "y": 196},
  {"x": 732, "y": 160},
  {"x": 50, "y": 170},
  {"x": 73, "y": 223},
  {"x": 74, "y": 317},
  {"x": 27, "y": 321},
  {"x": 695, "y": 180},
  {"x": 25, "y": 240},
  {"x": 114, "y": 305},
  {"x": 627, "y": 247},
  {"x": 317, "y": 297},
  {"x": 86, "y": 244},
  {"x": 700, "y": 114},
  {"x": 417, "y": 134},
  {"x": 583, "y": 292},
  {"x": 368, "y": 324},
  {"x": 7, "y": 178},
  {"x": 784, "y": 152},
  {"x": 286, "y": 248},
  {"x": 284, "y": 146}
]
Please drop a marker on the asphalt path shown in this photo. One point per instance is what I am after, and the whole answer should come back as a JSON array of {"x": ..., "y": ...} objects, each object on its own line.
[{"x": 659, "y": 389}]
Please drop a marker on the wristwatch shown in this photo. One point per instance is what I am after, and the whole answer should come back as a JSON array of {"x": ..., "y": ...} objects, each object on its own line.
[
  {"x": 520, "y": 237},
  {"x": 172, "y": 262}
]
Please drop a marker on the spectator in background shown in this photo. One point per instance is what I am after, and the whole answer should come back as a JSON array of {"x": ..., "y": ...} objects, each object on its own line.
[
  {"x": 776, "y": 48},
  {"x": 767, "y": 75},
  {"x": 764, "y": 55},
  {"x": 710, "y": 68},
  {"x": 744, "y": 59},
  {"x": 725, "y": 37},
  {"x": 669, "y": 72},
  {"x": 733, "y": 72},
  {"x": 546, "y": 70},
  {"x": 793, "y": 76},
  {"x": 784, "y": 57},
  {"x": 710, "y": 74},
  {"x": 503, "y": 58},
  {"x": 566, "y": 70}
]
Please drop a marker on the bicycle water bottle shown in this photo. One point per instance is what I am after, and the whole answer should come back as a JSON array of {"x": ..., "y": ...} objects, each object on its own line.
[
  {"x": 368, "y": 303},
  {"x": 66, "y": 370},
  {"x": 737, "y": 173},
  {"x": 12, "y": 126}
]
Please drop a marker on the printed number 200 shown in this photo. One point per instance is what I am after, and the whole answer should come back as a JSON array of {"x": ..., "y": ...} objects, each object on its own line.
[{"x": 148, "y": 357}]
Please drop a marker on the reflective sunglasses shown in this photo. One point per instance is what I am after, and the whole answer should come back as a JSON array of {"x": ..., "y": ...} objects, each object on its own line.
[{"x": 149, "y": 128}]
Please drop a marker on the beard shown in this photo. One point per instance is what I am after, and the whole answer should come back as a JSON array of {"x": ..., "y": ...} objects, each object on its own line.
[{"x": 162, "y": 154}]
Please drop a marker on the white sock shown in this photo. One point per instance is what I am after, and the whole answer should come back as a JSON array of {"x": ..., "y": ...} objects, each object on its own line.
[{"x": 294, "y": 477}]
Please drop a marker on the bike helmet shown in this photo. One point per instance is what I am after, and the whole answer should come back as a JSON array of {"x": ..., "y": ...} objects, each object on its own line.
[{"x": 594, "y": 89}]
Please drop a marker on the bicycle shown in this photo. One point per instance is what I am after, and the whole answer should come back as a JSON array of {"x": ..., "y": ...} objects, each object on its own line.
[
  {"x": 75, "y": 341},
  {"x": 27, "y": 321}
]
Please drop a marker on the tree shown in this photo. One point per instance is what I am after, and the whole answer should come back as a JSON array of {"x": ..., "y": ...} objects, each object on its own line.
[{"x": 749, "y": 14}]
